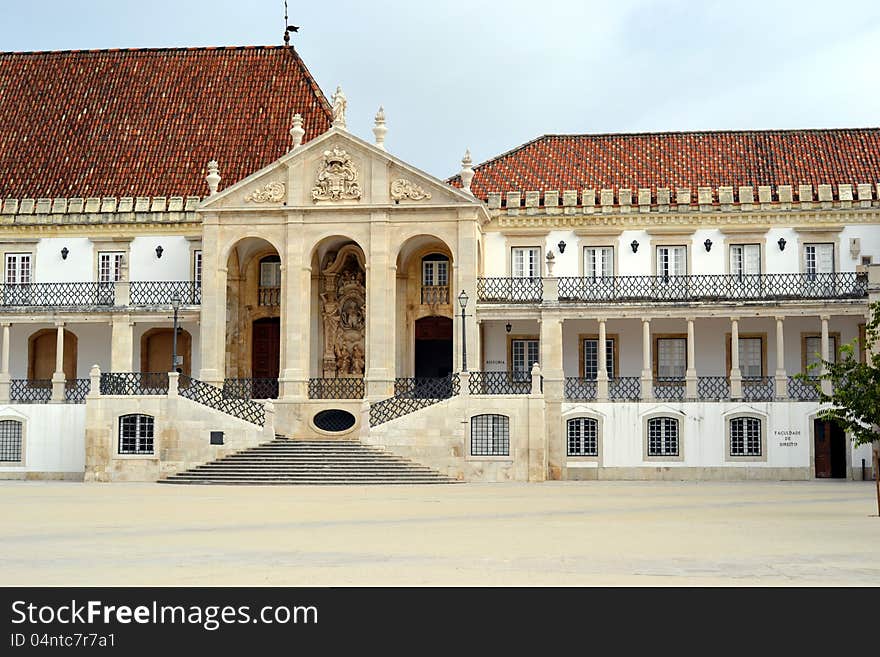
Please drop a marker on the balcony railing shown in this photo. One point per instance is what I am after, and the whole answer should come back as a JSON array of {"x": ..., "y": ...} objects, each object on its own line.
[
  {"x": 161, "y": 293},
  {"x": 579, "y": 389},
  {"x": 713, "y": 387},
  {"x": 134, "y": 383},
  {"x": 260, "y": 388},
  {"x": 500, "y": 383},
  {"x": 713, "y": 287},
  {"x": 510, "y": 290},
  {"x": 269, "y": 296},
  {"x": 49, "y": 295},
  {"x": 800, "y": 390},
  {"x": 411, "y": 395},
  {"x": 758, "y": 388},
  {"x": 435, "y": 294},
  {"x": 624, "y": 388},
  {"x": 340, "y": 388},
  {"x": 30, "y": 391},
  {"x": 669, "y": 387}
]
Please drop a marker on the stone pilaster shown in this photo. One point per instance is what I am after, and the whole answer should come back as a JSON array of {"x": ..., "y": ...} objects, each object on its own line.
[
  {"x": 647, "y": 373},
  {"x": 381, "y": 288},
  {"x": 58, "y": 377},
  {"x": 602, "y": 373},
  {"x": 781, "y": 377},
  {"x": 690, "y": 374},
  {"x": 296, "y": 291},
  {"x": 213, "y": 309},
  {"x": 121, "y": 344},
  {"x": 735, "y": 373},
  {"x": 553, "y": 395}
]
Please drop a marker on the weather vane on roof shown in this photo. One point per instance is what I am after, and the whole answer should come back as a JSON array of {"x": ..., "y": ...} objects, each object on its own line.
[{"x": 288, "y": 28}]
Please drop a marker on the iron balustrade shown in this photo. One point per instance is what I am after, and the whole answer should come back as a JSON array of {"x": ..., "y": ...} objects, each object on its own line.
[
  {"x": 435, "y": 294},
  {"x": 58, "y": 295},
  {"x": 803, "y": 390},
  {"x": 259, "y": 388},
  {"x": 758, "y": 388},
  {"x": 580, "y": 389},
  {"x": 669, "y": 387},
  {"x": 625, "y": 388},
  {"x": 76, "y": 391},
  {"x": 499, "y": 383},
  {"x": 269, "y": 296},
  {"x": 30, "y": 391},
  {"x": 510, "y": 290},
  {"x": 713, "y": 387},
  {"x": 160, "y": 293},
  {"x": 714, "y": 287},
  {"x": 134, "y": 383},
  {"x": 213, "y": 397},
  {"x": 413, "y": 395},
  {"x": 340, "y": 388}
]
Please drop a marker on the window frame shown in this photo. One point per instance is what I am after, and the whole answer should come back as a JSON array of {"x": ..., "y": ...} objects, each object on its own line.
[
  {"x": 805, "y": 259},
  {"x": 538, "y": 262},
  {"x": 510, "y": 365},
  {"x": 116, "y": 266},
  {"x": 613, "y": 264},
  {"x": 646, "y": 438},
  {"x": 597, "y": 421},
  {"x": 655, "y": 352},
  {"x": 728, "y": 419},
  {"x": 22, "y": 460},
  {"x": 743, "y": 245},
  {"x": 137, "y": 453},
  {"x": 496, "y": 453},
  {"x": 612, "y": 337},
  {"x": 728, "y": 344},
  {"x": 197, "y": 266},
  {"x": 433, "y": 259},
  {"x": 833, "y": 348}
]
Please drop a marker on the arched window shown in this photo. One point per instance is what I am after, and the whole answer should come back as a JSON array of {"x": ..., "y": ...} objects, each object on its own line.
[
  {"x": 10, "y": 441},
  {"x": 663, "y": 436},
  {"x": 490, "y": 435},
  {"x": 583, "y": 436},
  {"x": 435, "y": 269},
  {"x": 136, "y": 434},
  {"x": 745, "y": 436}
]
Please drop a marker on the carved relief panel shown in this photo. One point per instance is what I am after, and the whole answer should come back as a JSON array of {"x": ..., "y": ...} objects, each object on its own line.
[{"x": 343, "y": 310}]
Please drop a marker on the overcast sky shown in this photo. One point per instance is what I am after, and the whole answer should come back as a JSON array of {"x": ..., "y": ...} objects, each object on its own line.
[{"x": 492, "y": 75}]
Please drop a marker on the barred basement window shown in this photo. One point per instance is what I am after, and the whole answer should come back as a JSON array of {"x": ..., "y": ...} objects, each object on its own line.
[
  {"x": 136, "y": 434},
  {"x": 490, "y": 435},
  {"x": 663, "y": 436},
  {"x": 10, "y": 441},
  {"x": 583, "y": 437},
  {"x": 745, "y": 436}
]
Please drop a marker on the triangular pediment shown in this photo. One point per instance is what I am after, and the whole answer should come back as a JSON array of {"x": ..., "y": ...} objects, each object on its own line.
[{"x": 337, "y": 169}]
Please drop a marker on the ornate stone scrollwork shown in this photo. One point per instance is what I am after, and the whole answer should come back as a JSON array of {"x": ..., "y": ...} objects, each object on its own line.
[
  {"x": 337, "y": 178},
  {"x": 272, "y": 192},
  {"x": 403, "y": 188}
]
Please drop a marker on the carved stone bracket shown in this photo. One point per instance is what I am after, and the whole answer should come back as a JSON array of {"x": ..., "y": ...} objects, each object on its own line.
[
  {"x": 272, "y": 192},
  {"x": 337, "y": 178},
  {"x": 403, "y": 188}
]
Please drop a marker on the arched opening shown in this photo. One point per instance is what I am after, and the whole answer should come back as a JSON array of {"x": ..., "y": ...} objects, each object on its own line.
[
  {"x": 41, "y": 354},
  {"x": 433, "y": 347},
  {"x": 829, "y": 453},
  {"x": 157, "y": 346}
]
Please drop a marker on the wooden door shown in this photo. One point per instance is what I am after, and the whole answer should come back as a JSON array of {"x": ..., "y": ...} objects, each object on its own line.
[
  {"x": 157, "y": 346},
  {"x": 266, "y": 351},
  {"x": 822, "y": 448},
  {"x": 41, "y": 361}
]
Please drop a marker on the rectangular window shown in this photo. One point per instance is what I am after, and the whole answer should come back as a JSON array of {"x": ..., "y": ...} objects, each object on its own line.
[
  {"x": 745, "y": 436},
  {"x": 524, "y": 354},
  {"x": 525, "y": 262},
  {"x": 671, "y": 261},
  {"x": 490, "y": 435},
  {"x": 751, "y": 360},
  {"x": 10, "y": 441},
  {"x": 745, "y": 259},
  {"x": 435, "y": 272},
  {"x": 197, "y": 267},
  {"x": 663, "y": 436},
  {"x": 598, "y": 261},
  {"x": 110, "y": 266},
  {"x": 270, "y": 273},
  {"x": 18, "y": 268},
  {"x": 671, "y": 357},
  {"x": 813, "y": 352},
  {"x": 583, "y": 437},
  {"x": 136, "y": 434},
  {"x": 819, "y": 259},
  {"x": 591, "y": 357}
]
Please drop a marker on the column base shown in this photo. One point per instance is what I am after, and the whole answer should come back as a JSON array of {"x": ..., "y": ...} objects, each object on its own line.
[
  {"x": 59, "y": 382},
  {"x": 736, "y": 387},
  {"x": 5, "y": 380},
  {"x": 601, "y": 386},
  {"x": 781, "y": 383},
  {"x": 647, "y": 387},
  {"x": 690, "y": 385}
]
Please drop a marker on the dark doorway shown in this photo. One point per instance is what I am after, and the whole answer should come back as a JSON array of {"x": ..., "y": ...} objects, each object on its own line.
[
  {"x": 433, "y": 347},
  {"x": 265, "y": 355},
  {"x": 829, "y": 442}
]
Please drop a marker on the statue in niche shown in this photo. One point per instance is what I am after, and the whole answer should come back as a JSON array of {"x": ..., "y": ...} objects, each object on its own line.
[
  {"x": 343, "y": 361},
  {"x": 330, "y": 313},
  {"x": 343, "y": 307},
  {"x": 357, "y": 360}
]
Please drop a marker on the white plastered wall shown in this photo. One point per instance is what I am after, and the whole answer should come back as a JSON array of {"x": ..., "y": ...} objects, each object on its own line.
[
  {"x": 174, "y": 265},
  {"x": 54, "y": 440}
]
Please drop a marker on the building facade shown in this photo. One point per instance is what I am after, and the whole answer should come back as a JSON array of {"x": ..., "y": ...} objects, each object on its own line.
[{"x": 583, "y": 307}]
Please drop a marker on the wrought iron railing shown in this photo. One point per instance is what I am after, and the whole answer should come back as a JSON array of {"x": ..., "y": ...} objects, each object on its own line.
[
  {"x": 714, "y": 287},
  {"x": 259, "y": 388},
  {"x": 510, "y": 290},
  {"x": 418, "y": 394},
  {"x": 713, "y": 387},
  {"x": 801, "y": 390},
  {"x": 625, "y": 388},
  {"x": 213, "y": 397},
  {"x": 161, "y": 293},
  {"x": 580, "y": 389},
  {"x": 435, "y": 294},
  {"x": 340, "y": 388},
  {"x": 499, "y": 383},
  {"x": 76, "y": 391},
  {"x": 669, "y": 387},
  {"x": 758, "y": 388},
  {"x": 30, "y": 391},
  {"x": 134, "y": 383},
  {"x": 73, "y": 294},
  {"x": 269, "y": 296}
]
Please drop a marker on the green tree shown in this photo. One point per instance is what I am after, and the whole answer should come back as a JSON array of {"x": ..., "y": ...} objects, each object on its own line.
[{"x": 854, "y": 403}]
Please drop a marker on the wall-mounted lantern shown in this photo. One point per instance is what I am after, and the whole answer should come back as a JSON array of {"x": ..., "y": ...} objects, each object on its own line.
[
  {"x": 635, "y": 245},
  {"x": 159, "y": 251},
  {"x": 708, "y": 245},
  {"x": 781, "y": 243},
  {"x": 561, "y": 246},
  {"x": 508, "y": 327},
  {"x": 64, "y": 252}
]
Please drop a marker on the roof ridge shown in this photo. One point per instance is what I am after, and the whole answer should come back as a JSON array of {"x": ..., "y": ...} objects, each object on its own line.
[{"x": 147, "y": 49}]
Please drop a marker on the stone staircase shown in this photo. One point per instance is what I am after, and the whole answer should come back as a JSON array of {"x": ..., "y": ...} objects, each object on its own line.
[{"x": 310, "y": 462}]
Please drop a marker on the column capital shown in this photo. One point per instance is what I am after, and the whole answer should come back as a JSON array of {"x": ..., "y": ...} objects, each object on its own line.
[
  {"x": 60, "y": 324},
  {"x": 5, "y": 324},
  {"x": 779, "y": 318},
  {"x": 825, "y": 318}
]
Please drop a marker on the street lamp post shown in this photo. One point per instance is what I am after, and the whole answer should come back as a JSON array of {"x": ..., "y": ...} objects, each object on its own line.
[
  {"x": 175, "y": 304},
  {"x": 462, "y": 301}
]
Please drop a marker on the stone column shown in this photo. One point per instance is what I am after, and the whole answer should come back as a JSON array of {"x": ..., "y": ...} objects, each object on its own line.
[
  {"x": 690, "y": 374},
  {"x": 121, "y": 339},
  {"x": 553, "y": 453},
  {"x": 735, "y": 374},
  {"x": 826, "y": 353},
  {"x": 213, "y": 310},
  {"x": 781, "y": 376},
  {"x": 4, "y": 365},
  {"x": 647, "y": 374},
  {"x": 58, "y": 378},
  {"x": 381, "y": 289},
  {"x": 540, "y": 422},
  {"x": 296, "y": 306},
  {"x": 465, "y": 277},
  {"x": 602, "y": 374}
]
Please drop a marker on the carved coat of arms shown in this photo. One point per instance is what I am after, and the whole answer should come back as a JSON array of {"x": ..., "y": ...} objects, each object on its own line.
[{"x": 337, "y": 178}]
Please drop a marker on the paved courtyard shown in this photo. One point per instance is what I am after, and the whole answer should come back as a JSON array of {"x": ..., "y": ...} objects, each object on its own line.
[{"x": 564, "y": 533}]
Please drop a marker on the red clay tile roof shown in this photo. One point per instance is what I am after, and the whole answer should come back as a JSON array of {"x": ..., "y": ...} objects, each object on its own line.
[
  {"x": 145, "y": 122},
  {"x": 683, "y": 159}
]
